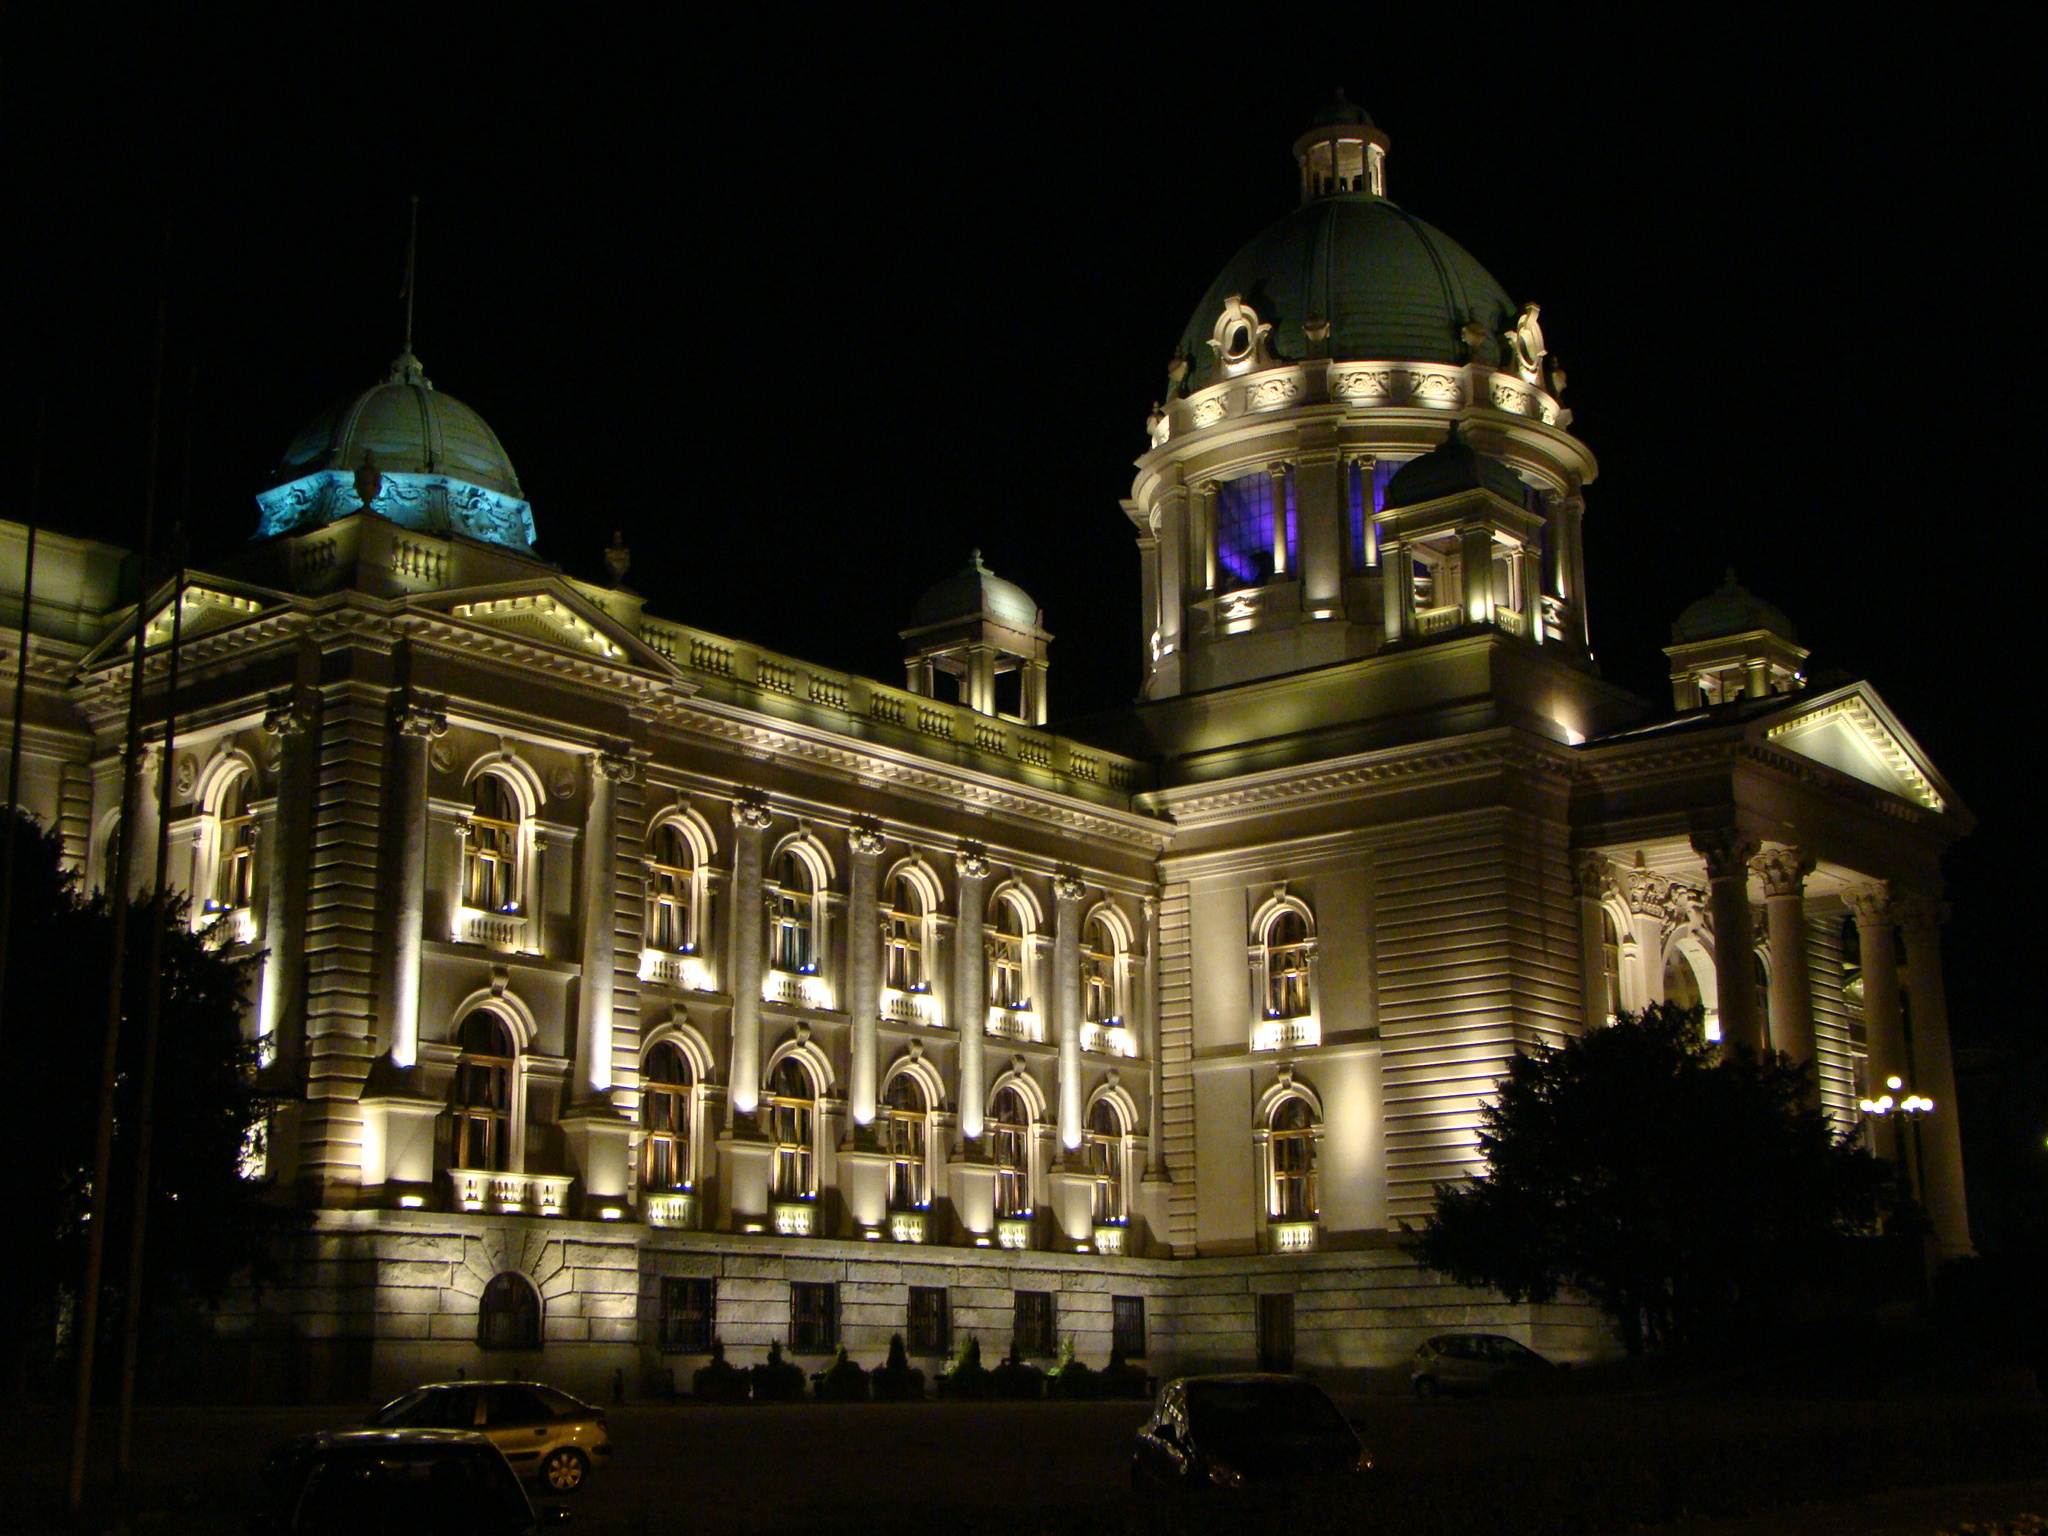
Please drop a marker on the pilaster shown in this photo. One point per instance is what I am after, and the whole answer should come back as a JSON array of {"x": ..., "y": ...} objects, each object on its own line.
[
  {"x": 1068, "y": 892},
  {"x": 863, "y": 970},
  {"x": 970, "y": 987},
  {"x": 744, "y": 937}
]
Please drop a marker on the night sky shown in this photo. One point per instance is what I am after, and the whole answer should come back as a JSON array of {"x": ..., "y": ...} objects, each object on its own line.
[{"x": 809, "y": 308}]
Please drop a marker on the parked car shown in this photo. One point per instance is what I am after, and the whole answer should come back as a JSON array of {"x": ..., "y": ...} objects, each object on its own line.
[
  {"x": 1221, "y": 1432},
  {"x": 393, "y": 1482},
  {"x": 1457, "y": 1364},
  {"x": 545, "y": 1433}
]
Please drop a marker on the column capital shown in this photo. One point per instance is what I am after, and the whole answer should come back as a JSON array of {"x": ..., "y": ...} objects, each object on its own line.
[
  {"x": 750, "y": 813},
  {"x": 1592, "y": 874},
  {"x": 415, "y": 717},
  {"x": 616, "y": 767},
  {"x": 288, "y": 718},
  {"x": 1783, "y": 870},
  {"x": 1871, "y": 903},
  {"x": 1920, "y": 911},
  {"x": 1067, "y": 886},
  {"x": 1278, "y": 468},
  {"x": 1726, "y": 850},
  {"x": 971, "y": 861},
  {"x": 865, "y": 838},
  {"x": 1647, "y": 893}
]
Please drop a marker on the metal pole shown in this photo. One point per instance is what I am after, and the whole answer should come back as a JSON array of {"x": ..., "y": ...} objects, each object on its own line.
[
  {"x": 152, "y": 1013},
  {"x": 117, "y": 900},
  {"x": 28, "y": 596}
]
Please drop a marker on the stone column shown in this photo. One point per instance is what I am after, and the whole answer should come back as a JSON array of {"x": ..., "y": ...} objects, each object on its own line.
[
  {"x": 750, "y": 821},
  {"x": 416, "y": 725},
  {"x": 863, "y": 966},
  {"x": 1591, "y": 875},
  {"x": 1884, "y": 1040},
  {"x": 1321, "y": 511},
  {"x": 1649, "y": 908},
  {"x": 1155, "y": 1142},
  {"x": 1728, "y": 853},
  {"x": 1475, "y": 562},
  {"x": 1174, "y": 516},
  {"x": 281, "y": 1005},
  {"x": 1277, "y": 472},
  {"x": 1572, "y": 566},
  {"x": 599, "y": 875},
  {"x": 1397, "y": 589},
  {"x": 1939, "y": 1136},
  {"x": 1783, "y": 872},
  {"x": 970, "y": 986},
  {"x": 1202, "y": 547},
  {"x": 1068, "y": 892}
]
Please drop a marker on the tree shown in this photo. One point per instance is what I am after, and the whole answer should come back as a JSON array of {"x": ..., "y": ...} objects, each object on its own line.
[
  {"x": 208, "y": 1221},
  {"x": 1686, "y": 1194}
]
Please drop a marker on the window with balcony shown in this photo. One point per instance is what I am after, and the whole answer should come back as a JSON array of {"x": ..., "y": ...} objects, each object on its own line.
[
  {"x": 508, "y": 1313},
  {"x": 234, "y": 846},
  {"x": 666, "y": 1089},
  {"x": 1009, "y": 1145},
  {"x": 1007, "y": 936},
  {"x": 689, "y": 1315},
  {"x": 906, "y": 1134},
  {"x": 491, "y": 853},
  {"x": 793, "y": 915},
  {"x": 672, "y": 904},
  {"x": 792, "y": 1105},
  {"x": 480, "y": 1101},
  {"x": 1105, "y": 1145},
  {"x": 1101, "y": 962},
  {"x": 903, "y": 938},
  {"x": 1291, "y": 1158}
]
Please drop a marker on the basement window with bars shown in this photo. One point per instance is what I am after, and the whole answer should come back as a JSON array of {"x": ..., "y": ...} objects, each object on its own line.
[
  {"x": 813, "y": 1317},
  {"x": 930, "y": 1323},
  {"x": 689, "y": 1315},
  {"x": 1034, "y": 1324}
]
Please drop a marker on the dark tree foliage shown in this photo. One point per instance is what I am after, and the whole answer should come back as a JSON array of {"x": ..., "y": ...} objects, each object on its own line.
[
  {"x": 208, "y": 1223},
  {"x": 1688, "y": 1195}
]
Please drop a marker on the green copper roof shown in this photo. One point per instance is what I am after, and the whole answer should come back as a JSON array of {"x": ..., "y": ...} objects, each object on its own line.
[
  {"x": 969, "y": 593},
  {"x": 1448, "y": 468},
  {"x": 409, "y": 426},
  {"x": 1732, "y": 610},
  {"x": 1390, "y": 285}
]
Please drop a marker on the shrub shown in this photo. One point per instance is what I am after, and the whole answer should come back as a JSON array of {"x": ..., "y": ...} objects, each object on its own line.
[
  {"x": 897, "y": 1380},
  {"x": 1074, "y": 1382},
  {"x": 1121, "y": 1379},
  {"x": 720, "y": 1381},
  {"x": 967, "y": 1378},
  {"x": 776, "y": 1380},
  {"x": 1015, "y": 1380},
  {"x": 845, "y": 1382}
]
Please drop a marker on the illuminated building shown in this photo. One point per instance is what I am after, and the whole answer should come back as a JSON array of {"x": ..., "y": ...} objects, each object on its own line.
[{"x": 635, "y": 986}]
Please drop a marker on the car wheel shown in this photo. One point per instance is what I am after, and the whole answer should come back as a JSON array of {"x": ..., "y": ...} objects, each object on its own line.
[
  {"x": 1425, "y": 1386},
  {"x": 563, "y": 1469}
]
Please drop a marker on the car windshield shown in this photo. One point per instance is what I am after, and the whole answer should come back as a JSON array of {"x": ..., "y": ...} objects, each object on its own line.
[
  {"x": 411, "y": 1491},
  {"x": 396, "y": 1412},
  {"x": 1236, "y": 1411}
]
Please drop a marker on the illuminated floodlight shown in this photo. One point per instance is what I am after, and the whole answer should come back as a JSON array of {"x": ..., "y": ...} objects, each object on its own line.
[{"x": 411, "y": 1202}]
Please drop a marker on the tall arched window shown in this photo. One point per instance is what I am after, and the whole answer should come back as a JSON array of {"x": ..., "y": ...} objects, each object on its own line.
[
  {"x": 903, "y": 929},
  {"x": 1100, "y": 954},
  {"x": 481, "y": 1100},
  {"x": 1105, "y": 1148},
  {"x": 671, "y": 891},
  {"x": 1005, "y": 936},
  {"x": 665, "y": 1091},
  {"x": 792, "y": 1102},
  {"x": 508, "y": 1314},
  {"x": 1291, "y": 1193},
  {"x": 793, "y": 916},
  {"x": 906, "y": 1132},
  {"x": 1607, "y": 1008},
  {"x": 491, "y": 874},
  {"x": 1009, "y": 1145},
  {"x": 234, "y": 864},
  {"x": 1287, "y": 960}
]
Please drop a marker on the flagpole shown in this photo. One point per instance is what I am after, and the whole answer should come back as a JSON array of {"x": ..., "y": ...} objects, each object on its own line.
[{"x": 28, "y": 597}]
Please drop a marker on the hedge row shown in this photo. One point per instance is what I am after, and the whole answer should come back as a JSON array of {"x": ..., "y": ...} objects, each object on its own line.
[{"x": 896, "y": 1380}]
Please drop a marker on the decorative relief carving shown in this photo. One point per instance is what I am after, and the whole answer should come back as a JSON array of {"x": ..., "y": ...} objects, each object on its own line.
[
  {"x": 1239, "y": 339},
  {"x": 619, "y": 767},
  {"x": 866, "y": 839},
  {"x": 287, "y": 718},
  {"x": 1871, "y": 904},
  {"x": 1782, "y": 870},
  {"x": 971, "y": 862},
  {"x": 1525, "y": 341},
  {"x": 420, "y": 720},
  {"x": 1593, "y": 875},
  {"x": 750, "y": 814},
  {"x": 1265, "y": 394},
  {"x": 186, "y": 774},
  {"x": 1208, "y": 412},
  {"x": 562, "y": 784},
  {"x": 442, "y": 757},
  {"x": 1067, "y": 885}
]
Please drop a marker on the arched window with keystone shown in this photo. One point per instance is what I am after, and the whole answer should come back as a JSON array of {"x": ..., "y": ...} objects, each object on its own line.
[{"x": 1282, "y": 957}]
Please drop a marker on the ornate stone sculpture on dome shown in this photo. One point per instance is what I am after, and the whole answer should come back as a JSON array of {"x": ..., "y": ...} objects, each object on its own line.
[{"x": 1526, "y": 341}]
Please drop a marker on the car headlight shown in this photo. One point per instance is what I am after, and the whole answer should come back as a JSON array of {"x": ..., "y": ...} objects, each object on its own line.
[{"x": 1224, "y": 1475}]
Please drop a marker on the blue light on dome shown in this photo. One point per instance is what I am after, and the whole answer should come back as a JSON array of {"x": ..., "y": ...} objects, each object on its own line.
[{"x": 426, "y": 502}]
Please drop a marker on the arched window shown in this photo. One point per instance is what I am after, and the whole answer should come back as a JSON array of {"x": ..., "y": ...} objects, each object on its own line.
[
  {"x": 234, "y": 865},
  {"x": 1099, "y": 958},
  {"x": 1006, "y": 934},
  {"x": 665, "y": 1090},
  {"x": 1105, "y": 1149},
  {"x": 508, "y": 1315},
  {"x": 793, "y": 917},
  {"x": 906, "y": 1132},
  {"x": 1681, "y": 982},
  {"x": 491, "y": 874},
  {"x": 1606, "y": 1008},
  {"x": 903, "y": 928},
  {"x": 481, "y": 1101},
  {"x": 1287, "y": 960},
  {"x": 1291, "y": 1195},
  {"x": 1009, "y": 1145},
  {"x": 671, "y": 891},
  {"x": 792, "y": 1102}
]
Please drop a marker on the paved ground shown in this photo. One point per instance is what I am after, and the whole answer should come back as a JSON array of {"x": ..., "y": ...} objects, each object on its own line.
[{"x": 819, "y": 1469}]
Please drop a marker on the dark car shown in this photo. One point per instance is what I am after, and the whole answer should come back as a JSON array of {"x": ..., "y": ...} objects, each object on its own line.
[
  {"x": 1235, "y": 1431},
  {"x": 393, "y": 1482},
  {"x": 544, "y": 1432},
  {"x": 1456, "y": 1364}
]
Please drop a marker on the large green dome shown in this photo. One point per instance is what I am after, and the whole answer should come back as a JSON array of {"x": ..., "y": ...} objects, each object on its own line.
[{"x": 1390, "y": 285}]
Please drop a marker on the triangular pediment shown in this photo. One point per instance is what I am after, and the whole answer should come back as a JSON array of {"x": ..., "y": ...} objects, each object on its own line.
[
  {"x": 550, "y": 613},
  {"x": 1852, "y": 732},
  {"x": 207, "y": 605}
]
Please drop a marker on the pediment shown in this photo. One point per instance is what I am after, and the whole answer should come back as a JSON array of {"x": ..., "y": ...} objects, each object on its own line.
[
  {"x": 1852, "y": 732},
  {"x": 551, "y": 614},
  {"x": 206, "y": 606}
]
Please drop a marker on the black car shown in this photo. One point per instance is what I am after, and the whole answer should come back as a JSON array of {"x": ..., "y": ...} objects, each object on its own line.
[
  {"x": 1238, "y": 1431},
  {"x": 394, "y": 1482}
]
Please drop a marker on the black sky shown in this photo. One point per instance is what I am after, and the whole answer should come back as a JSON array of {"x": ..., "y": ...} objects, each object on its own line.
[{"x": 809, "y": 307}]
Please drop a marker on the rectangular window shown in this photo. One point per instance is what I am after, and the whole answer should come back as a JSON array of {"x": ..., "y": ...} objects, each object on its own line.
[
  {"x": 1276, "y": 1333},
  {"x": 1244, "y": 529},
  {"x": 930, "y": 1330},
  {"x": 1127, "y": 1326},
  {"x": 813, "y": 1318},
  {"x": 689, "y": 1315},
  {"x": 1034, "y": 1329}
]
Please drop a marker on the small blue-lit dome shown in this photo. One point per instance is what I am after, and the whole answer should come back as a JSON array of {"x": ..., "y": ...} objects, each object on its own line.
[{"x": 406, "y": 451}]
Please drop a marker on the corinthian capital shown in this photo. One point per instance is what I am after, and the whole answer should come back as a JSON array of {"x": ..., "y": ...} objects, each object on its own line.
[
  {"x": 619, "y": 767},
  {"x": 287, "y": 718},
  {"x": 750, "y": 814},
  {"x": 1067, "y": 886},
  {"x": 1871, "y": 903},
  {"x": 1920, "y": 910},
  {"x": 1592, "y": 874},
  {"x": 865, "y": 839},
  {"x": 418, "y": 719},
  {"x": 1726, "y": 850},
  {"x": 1783, "y": 871},
  {"x": 971, "y": 862}
]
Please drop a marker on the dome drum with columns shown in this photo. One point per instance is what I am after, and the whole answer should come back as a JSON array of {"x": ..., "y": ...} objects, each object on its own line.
[{"x": 686, "y": 989}]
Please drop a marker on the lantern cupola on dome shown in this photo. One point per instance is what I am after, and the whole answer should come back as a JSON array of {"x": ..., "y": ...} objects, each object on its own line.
[
  {"x": 1732, "y": 644},
  {"x": 984, "y": 636},
  {"x": 1342, "y": 152},
  {"x": 407, "y": 452}
]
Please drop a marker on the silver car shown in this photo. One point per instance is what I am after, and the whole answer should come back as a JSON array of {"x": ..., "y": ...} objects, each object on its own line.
[{"x": 1459, "y": 1364}]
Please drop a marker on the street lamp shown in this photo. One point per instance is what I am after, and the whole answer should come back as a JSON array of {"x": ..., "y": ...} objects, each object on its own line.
[{"x": 1914, "y": 1107}]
